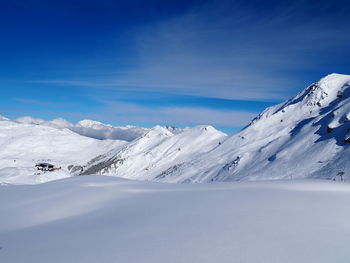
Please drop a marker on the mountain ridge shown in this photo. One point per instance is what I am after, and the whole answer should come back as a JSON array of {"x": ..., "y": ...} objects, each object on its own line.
[
  {"x": 294, "y": 139},
  {"x": 306, "y": 136}
]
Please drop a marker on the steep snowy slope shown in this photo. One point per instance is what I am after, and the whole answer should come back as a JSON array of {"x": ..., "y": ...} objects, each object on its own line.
[
  {"x": 157, "y": 154},
  {"x": 23, "y": 145},
  {"x": 306, "y": 136}
]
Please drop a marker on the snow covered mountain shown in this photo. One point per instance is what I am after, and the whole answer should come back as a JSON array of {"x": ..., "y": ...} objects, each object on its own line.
[
  {"x": 89, "y": 128},
  {"x": 24, "y": 145},
  {"x": 307, "y": 136},
  {"x": 157, "y": 154},
  {"x": 27, "y": 141},
  {"x": 304, "y": 137}
]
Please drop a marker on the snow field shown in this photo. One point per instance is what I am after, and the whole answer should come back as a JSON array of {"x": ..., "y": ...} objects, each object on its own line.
[{"x": 107, "y": 219}]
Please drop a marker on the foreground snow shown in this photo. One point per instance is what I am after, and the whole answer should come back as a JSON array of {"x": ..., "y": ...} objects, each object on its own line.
[{"x": 106, "y": 219}]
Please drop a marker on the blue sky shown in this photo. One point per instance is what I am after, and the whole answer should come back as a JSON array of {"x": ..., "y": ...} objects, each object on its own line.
[{"x": 147, "y": 62}]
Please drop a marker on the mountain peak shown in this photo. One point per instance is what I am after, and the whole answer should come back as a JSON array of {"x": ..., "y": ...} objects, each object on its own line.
[
  {"x": 90, "y": 123},
  {"x": 158, "y": 131},
  {"x": 322, "y": 92}
]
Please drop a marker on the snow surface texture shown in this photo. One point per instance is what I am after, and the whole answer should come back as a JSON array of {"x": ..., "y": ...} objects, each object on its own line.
[
  {"x": 105, "y": 219},
  {"x": 306, "y": 136}
]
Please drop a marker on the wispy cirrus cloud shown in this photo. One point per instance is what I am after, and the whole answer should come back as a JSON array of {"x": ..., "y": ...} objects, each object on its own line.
[
  {"x": 44, "y": 103},
  {"x": 231, "y": 49},
  {"x": 235, "y": 50}
]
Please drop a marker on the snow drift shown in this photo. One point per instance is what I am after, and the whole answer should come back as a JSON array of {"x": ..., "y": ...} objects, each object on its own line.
[{"x": 105, "y": 219}]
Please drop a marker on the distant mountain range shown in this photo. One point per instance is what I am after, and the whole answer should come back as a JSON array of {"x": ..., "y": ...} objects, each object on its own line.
[
  {"x": 89, "y": 128},
  {"x": 304, "y": 137}
]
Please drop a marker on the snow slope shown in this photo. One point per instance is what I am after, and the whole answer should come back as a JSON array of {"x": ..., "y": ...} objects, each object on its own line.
[
  {"x": 24, "y": 145},
  {"x": 307, "y": 136},
  {"x": 27, "y": 141},
  {"x": 105, "y": 219},
  {"x": 296, "y": 139},
  {"x": 157, "y": 153}
]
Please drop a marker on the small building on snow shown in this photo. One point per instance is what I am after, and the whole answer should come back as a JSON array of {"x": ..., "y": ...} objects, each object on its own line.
[{"x": 45, "y": 167}]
